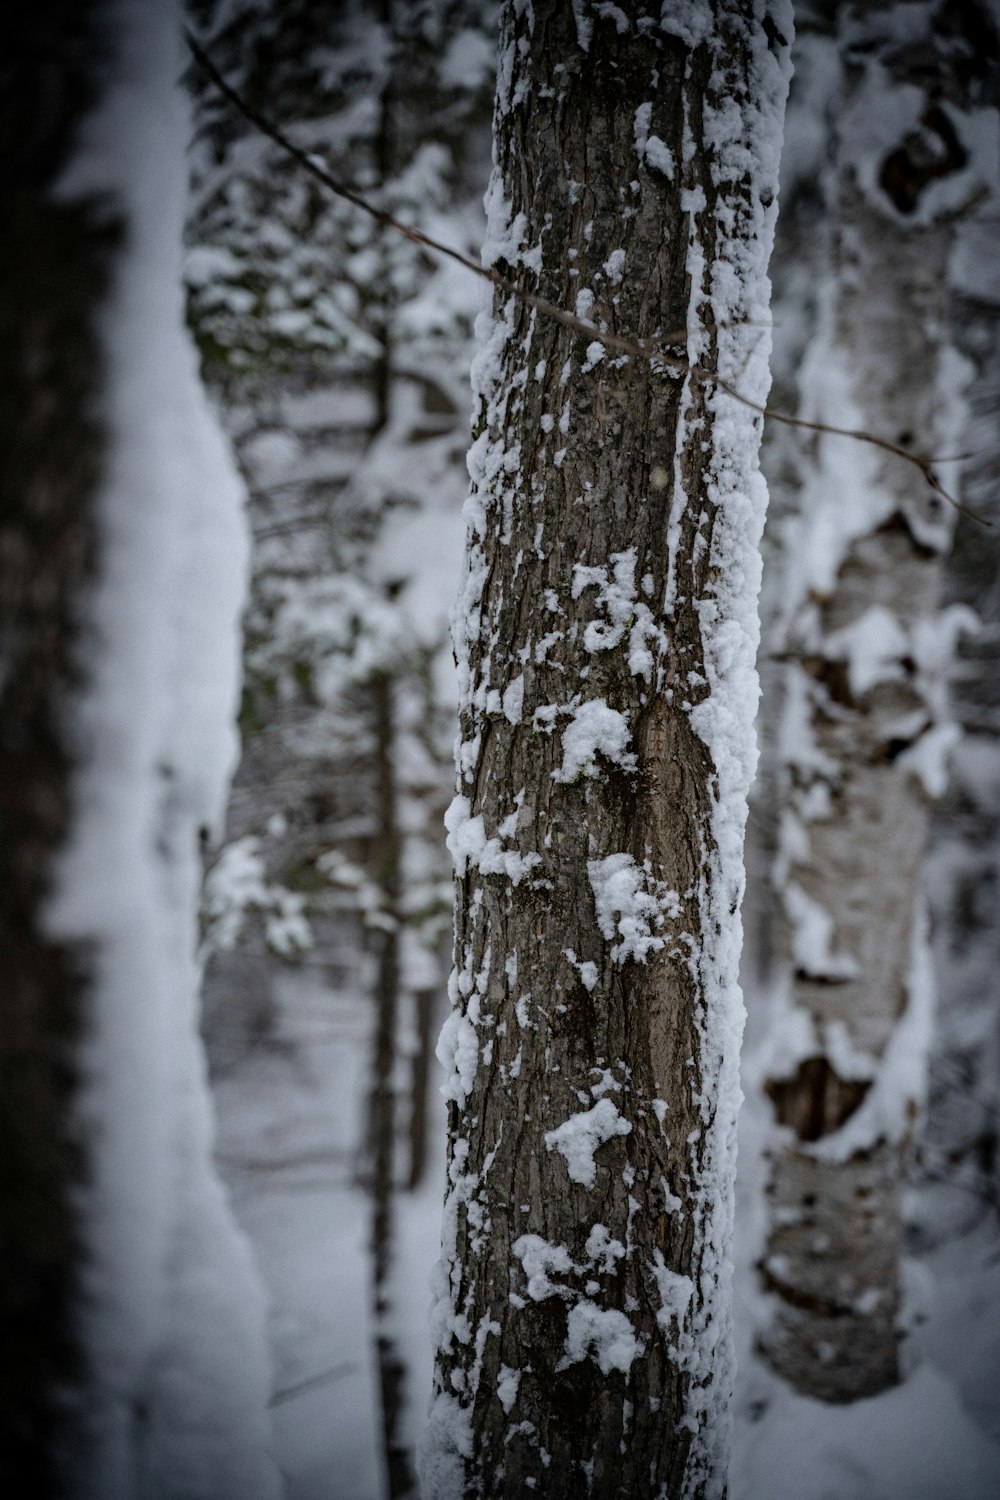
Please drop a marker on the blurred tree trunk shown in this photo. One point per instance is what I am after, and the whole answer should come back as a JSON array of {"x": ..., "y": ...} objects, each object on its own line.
[
  {"x": 960, "y": 1145},
  {"x": 605, "y": 641},
  {"x": 54, "y": 258},
  {"x": 339, "y": 354},
  {"x": 133, "y": 1331},
  {"x": 863, "y": 745}
]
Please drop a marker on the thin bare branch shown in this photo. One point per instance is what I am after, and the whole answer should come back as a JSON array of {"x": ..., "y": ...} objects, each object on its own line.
[{"x": 648, "y": 349}]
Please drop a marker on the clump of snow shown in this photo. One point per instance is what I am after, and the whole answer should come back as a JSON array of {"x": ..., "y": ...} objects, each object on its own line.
[
  {"x": 584, "y": 24},
  {"x": 605, "y": 1334},
  {"x": 468, "y": 59},
  {"x": 603, "y": 1250},
  {"x": 594, "y": 356},
  {"x": 508, "y": 1381},
  {"x": 458, "y": 1053},
  {"x": 444, "y": 1447},
  {"x": 539, "y": 1258},
  {"x": 812, "y": 931},
  {"x": 595, "y": 729},
  {"x": 652, "y": 152},
  {"x": 614, "y": 267},
  {"x": 236, "y": 884},
  {"x": 630, "y": 905},
  {"x": 587, "y": 970},
  {"x": 468, "y": 845},
  {"x": 675, "y": 1292},
  {"x": 513, "y": 700},
  {"x": 688, "y": 20},
  {"x": 618, "y": 598},
  {"x": 929, "y": 757},
  {"x": 873, "y": 646},
  {"x": 578, "y": 1138}
]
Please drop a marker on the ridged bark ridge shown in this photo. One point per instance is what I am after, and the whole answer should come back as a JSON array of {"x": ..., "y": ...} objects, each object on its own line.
[{"x": 605, "y": 639}]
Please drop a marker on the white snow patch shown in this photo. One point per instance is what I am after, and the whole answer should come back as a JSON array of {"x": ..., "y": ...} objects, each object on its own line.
[
  {"x": 630, "y": 906},
  {"x": 508, "y": 1381},
  {"x": 651, "y": 151},
  {"x": 586, "y": 969},
  {"x": 675, "y": 1292},
  {"x": 603, "y": 1250},
  {"x": 595, "y": 729},
  {"x": 614, "y": 267},
  {"x": 539, "y": 1258},
  {"x": 605, "y": 1334},
  {"x": 578, "y": 1138},
  {"x": 468, "y": 845},
  {"x": 812, "y": 931}
]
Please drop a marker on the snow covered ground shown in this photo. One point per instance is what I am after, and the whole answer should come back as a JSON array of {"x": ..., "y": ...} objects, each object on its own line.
[
  {"x": 290, "y": 1119},
  {"x": 934, "y": 1437}
]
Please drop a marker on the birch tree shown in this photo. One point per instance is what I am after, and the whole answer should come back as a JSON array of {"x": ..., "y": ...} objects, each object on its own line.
[
  {"x": 866, "y": 648},
  {"x": 605, "y": 636}
]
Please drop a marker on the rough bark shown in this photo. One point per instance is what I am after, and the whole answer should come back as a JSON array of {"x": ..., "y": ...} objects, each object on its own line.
[
  {"x": 582, "y": 1318},
  {"x": 863, "y": 750}
]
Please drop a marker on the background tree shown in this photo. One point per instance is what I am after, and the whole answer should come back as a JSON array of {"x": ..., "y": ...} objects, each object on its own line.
[
  {"x": 50, "y": 456},
  {"x": 133, "y": 1355},
  {"x": 339, "y": 356},
  {"x": 605, "y": 639},
  {"x": 891, "y": 103}
]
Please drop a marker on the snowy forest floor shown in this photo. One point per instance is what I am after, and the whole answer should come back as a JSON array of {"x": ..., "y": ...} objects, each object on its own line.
[
  {"x": 290, "y": 1119},
  {"x": 290, "y": 1116}
]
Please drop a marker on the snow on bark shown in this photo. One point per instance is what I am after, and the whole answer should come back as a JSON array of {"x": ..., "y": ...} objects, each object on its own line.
[
  {"x": 613, "y": 567},
  {"x": 865, "y": 732},
  {"x": 175, "y": 1401}
]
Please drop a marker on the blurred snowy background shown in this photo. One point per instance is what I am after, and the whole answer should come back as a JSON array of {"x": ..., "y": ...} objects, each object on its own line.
[{"x": 335, "y": 355}]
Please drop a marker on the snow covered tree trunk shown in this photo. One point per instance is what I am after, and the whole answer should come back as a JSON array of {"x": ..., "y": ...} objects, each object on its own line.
[
  {"x": 605, "y": 638},
  {"x": 136, "y": 1362},
  {"x": 863, "y": 738}
]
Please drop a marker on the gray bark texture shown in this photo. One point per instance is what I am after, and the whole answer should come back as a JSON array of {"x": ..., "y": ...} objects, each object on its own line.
[
  {"x": 582, "y": 1318},
  {"x": 866, "y": 653}
]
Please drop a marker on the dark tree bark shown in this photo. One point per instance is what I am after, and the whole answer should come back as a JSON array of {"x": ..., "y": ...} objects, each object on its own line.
[
  {"x": 605, "y": 642},
  {"x": 53, "y": 270}
]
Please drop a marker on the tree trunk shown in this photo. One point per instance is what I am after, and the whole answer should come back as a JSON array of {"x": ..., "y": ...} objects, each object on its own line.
[
  {"x": 139, "y": 1270},
  {"x": 605, "y": 640},
  {"x": 864, "y": 743},
  {"x": 54, "y": 260}
]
